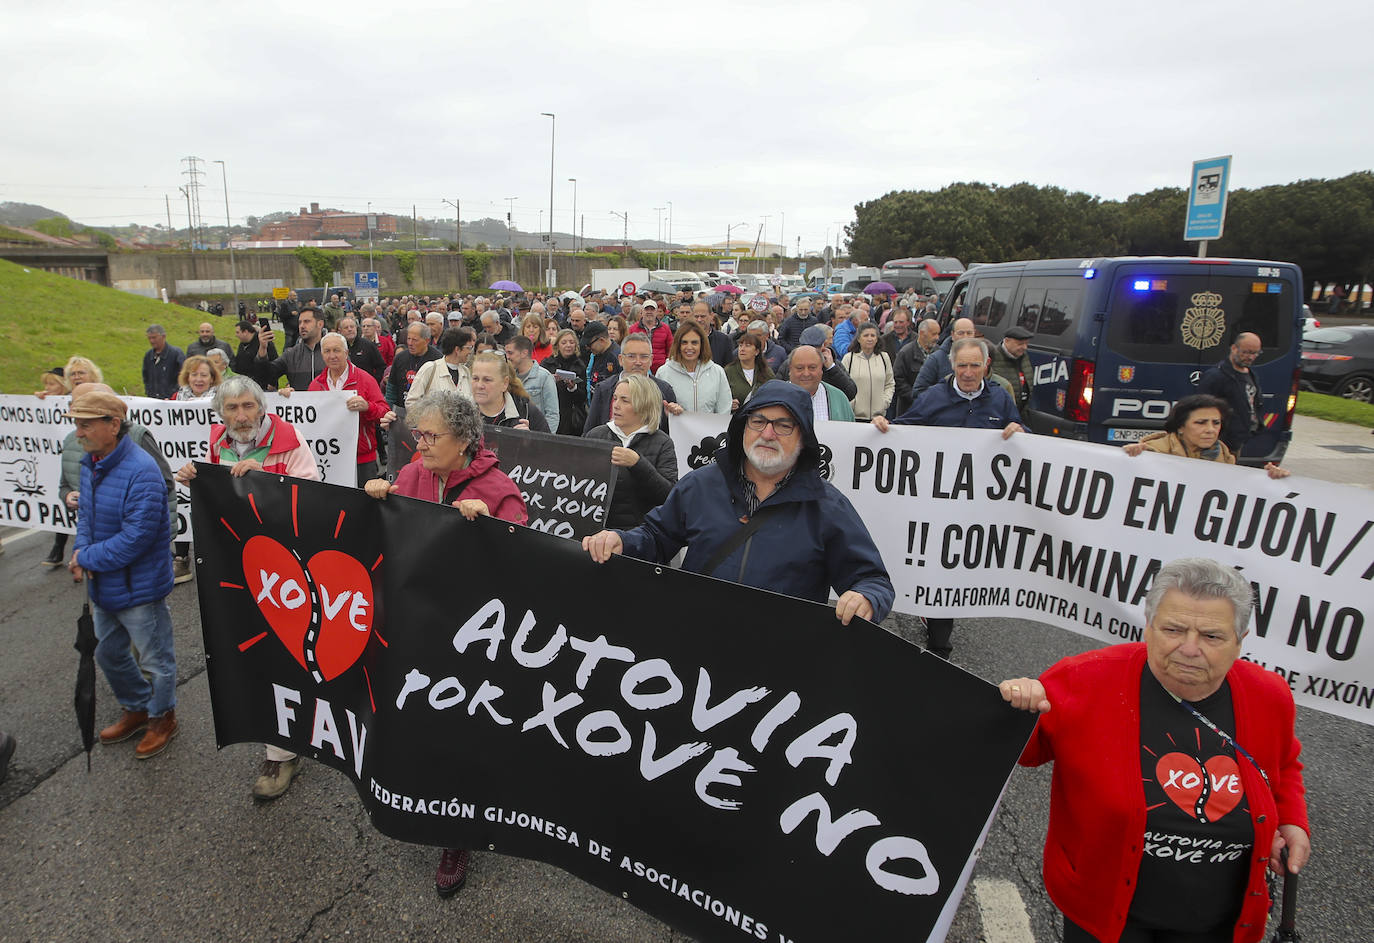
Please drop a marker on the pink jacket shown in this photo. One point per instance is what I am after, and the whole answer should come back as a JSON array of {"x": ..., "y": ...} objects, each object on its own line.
[{"x": 487, "y": 482}]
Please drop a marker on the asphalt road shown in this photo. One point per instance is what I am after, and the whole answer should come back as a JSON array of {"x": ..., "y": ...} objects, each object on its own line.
[{"x": 175, "y": 849}]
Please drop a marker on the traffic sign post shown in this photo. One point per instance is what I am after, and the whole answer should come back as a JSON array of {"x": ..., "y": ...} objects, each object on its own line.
[
  {"x": 1207, "y": 201},
  {"x": 628, "y": 288},
  {"x": 366, "y": 285}
]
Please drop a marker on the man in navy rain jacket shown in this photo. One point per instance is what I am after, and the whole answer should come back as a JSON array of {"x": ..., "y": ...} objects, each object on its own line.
[
  {"x": 814, "y": 541},
  {"x": 966, "y": 400}
]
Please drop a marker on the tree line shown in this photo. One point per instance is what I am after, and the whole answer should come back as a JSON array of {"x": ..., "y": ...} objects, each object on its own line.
[{"x": 1325, "y": 226}]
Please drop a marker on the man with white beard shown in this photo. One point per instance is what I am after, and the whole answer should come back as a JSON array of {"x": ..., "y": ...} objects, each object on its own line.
[
  {"x": 764, "y": 516},
  {"x": 253, "y": 438}
]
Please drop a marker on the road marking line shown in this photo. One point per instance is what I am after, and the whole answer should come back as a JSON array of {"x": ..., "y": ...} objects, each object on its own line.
[
  {"x": 1003, "y": 912},
  {"x": 24, "y": 536}
]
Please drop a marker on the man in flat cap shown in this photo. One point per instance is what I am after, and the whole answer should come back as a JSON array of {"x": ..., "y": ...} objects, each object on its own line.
[{"x": 123, "y": 544}]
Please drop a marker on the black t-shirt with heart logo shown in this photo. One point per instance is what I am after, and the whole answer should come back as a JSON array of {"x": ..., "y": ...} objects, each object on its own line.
[{"x": 1198, "y": 833}]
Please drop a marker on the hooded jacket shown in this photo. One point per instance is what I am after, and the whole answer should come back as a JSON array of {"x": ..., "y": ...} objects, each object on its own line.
[
  {"x": 124, "y": 531},
  {"x": 816, "y": 543},
  {"x": 485, "y": 482}
]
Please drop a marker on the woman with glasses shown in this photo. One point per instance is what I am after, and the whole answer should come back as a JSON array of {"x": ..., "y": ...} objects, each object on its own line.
[
  {"x": 644, "y": 457},
  {"x": 572, "y": 390},
  {"x": 456, "y": 470},
  {"x": 500, "y": 396}
]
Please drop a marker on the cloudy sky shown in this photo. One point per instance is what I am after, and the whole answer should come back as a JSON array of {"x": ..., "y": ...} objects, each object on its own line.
[{"x": 731, "y": 112}]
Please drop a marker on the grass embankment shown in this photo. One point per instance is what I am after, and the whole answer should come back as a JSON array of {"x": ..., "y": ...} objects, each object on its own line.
[
  {"x": 1335, "y": 409},
  {"x": 46, "y": 318}
]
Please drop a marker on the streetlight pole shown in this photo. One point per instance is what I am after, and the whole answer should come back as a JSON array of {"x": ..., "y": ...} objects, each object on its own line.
[
  {"x": 625, "y": 239},
  {"x": 670, "y": 233},
  {"x": 729, "y": 229},
  {"x": 510, "y": 231},
  {"x": 659, "y": 233},
  {"x": 573, "y": 181},
  {"x": 457, "y": 221},
  {"x": 553, "y": 127},
  {"x": 229, "y": 240},
  {"x": 367, "y": 221}
]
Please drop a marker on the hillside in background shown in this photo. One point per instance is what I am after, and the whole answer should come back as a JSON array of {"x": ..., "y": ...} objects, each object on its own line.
[{"x": 45, "y": 319}]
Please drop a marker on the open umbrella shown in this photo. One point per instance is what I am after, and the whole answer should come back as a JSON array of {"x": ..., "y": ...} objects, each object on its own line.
[
  {"x": 569, "y": 295},
  {"x": 84, "y": 700},
  {"x": 879, "y": 288},
  {"x": 657, "y": 285},
  {"x": 730, "y": 289},
  {"x": 505, "y": 285}
]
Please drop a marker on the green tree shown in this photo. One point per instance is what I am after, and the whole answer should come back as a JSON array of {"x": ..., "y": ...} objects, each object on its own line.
[{"x": 58, "y": 226}]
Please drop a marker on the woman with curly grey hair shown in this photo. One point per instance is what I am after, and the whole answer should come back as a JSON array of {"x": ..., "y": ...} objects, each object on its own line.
[{"x": 453, "y": 469}]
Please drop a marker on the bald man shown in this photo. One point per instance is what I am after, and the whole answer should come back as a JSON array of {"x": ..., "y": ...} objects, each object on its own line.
[{"x": 1235, "y": 382}]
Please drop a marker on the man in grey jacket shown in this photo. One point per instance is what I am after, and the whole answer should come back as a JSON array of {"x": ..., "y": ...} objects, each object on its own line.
[
  {"x": 303, "y": 361},
  {"x": 538, "y": 382}
]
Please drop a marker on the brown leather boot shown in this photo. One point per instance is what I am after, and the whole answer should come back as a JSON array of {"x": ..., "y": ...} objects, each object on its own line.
[
  {"x": 161, "y": 730},
  {"x": 129, "y": 723}
]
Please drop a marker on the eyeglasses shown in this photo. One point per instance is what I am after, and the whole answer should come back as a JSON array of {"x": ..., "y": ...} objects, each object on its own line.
[
  {"x": 637, "y": 357},
  {"x": 427, "y": 438},
  {"x": 782, "y": 427}
]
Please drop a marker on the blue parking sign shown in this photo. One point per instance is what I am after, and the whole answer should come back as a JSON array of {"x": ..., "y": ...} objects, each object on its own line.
[
  {"x": 1207, "y": 199},
  {"x": 365, "y": 284}
]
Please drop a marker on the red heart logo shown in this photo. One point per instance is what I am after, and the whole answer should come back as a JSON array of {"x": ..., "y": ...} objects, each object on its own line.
[
  {"x": 282, "y": 591},
  {"x": 1206, "y": 793},
  {"x": 322, "y": 613},
  {"x": 345, "y": 607}
]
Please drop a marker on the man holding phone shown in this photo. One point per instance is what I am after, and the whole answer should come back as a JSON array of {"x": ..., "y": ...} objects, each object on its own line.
[{"x": 246, "y": 361}]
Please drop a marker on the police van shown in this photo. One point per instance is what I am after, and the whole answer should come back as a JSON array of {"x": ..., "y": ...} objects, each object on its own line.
[{"x": 1116, "y": 342}]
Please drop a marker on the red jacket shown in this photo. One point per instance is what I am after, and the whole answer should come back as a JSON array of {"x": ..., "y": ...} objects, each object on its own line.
[
  {"x": 1097, "y": 801},
  {"x": 387, "y": 347},
  {"x": 488, "y": 483},
  {"x": 661, "y": 339},
  {"x": 282, "y": 457},
  {"x": 359, "y": 381}
]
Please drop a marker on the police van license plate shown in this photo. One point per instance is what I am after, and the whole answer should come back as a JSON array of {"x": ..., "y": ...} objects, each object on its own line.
[{"x": 1126, "y": 435}]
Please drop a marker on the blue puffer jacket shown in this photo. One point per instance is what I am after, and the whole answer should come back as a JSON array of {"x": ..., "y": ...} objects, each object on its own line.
[
  {"x": 941, "y": 405},
  {"x": 124, "y": 533},
  {"x": 817, "y": 543}
]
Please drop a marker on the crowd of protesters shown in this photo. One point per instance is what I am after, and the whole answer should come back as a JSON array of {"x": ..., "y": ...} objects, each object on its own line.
[{"x": 435, "y": 371}]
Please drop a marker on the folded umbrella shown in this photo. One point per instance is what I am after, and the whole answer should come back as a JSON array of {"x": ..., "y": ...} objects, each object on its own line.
[
  {"x": 84, "y": 700},
  {"x": 1287, "y": 932}
]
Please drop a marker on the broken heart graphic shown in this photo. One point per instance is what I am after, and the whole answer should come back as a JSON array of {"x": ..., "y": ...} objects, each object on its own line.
[
  {"x": 321, "y": 612},
  {"x": 1204, "y": 792}
]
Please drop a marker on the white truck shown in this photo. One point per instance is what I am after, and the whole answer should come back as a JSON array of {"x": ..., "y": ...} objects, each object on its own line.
[{"x": 611, "y": 279}]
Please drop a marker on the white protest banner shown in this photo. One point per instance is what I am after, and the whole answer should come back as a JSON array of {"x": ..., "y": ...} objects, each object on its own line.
[
  {"x": 1072, "y": 533},
  {"x": 32, "y": 431}
]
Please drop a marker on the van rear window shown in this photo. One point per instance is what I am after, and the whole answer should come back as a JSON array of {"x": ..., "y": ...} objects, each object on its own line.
[{"x": 1194, "y": 318}]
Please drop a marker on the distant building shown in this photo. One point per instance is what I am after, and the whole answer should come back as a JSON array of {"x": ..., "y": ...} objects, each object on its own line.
[
  {"x": 292, "y": 244},
  {"x": 314, "y": 224}
]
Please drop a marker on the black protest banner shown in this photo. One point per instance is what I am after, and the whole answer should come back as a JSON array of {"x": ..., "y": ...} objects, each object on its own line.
[
  {"x": 567, "y": 482},
  {"x": 729, "y": 760}
]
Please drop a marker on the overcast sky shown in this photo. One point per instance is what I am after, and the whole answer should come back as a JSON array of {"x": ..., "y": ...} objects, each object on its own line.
[{"x": 732, "y": 112}]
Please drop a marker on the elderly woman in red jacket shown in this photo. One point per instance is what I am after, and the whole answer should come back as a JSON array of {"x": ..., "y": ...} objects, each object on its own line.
[
  {"x": 1176, "y": 773},
  {"x": 453, "y": 469}
]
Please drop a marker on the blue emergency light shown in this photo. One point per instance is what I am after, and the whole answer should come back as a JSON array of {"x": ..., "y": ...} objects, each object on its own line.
[{"x": 1141, "y": 284}]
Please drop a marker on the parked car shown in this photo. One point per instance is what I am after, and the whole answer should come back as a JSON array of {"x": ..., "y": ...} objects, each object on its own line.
[{"x": 1339, "y": 360}]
